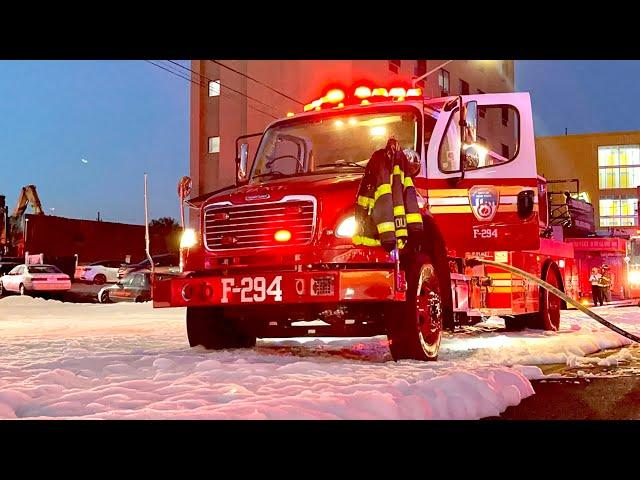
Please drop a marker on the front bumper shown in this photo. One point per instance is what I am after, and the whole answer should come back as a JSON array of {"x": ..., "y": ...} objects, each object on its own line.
[{"x": 276, "y": 288}]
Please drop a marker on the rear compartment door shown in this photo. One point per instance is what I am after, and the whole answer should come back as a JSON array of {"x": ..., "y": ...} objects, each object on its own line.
[{"x": 476, "y": 207}]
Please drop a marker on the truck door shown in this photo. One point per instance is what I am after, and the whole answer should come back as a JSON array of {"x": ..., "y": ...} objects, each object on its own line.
[{"x": 489, "y": 200}]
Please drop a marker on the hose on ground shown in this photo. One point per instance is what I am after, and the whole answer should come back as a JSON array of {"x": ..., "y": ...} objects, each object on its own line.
[{"x": 559, "y": 293}]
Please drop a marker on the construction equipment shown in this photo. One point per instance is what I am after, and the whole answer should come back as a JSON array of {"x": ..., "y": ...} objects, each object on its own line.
[{"x": 13, "y": 227}]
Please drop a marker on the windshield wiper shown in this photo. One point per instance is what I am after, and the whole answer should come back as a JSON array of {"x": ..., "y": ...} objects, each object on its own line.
[{"x": 341, "y": 164}]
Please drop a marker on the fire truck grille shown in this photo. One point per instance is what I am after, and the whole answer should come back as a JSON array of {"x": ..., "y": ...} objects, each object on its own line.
[{"x": 230, "y": 227}]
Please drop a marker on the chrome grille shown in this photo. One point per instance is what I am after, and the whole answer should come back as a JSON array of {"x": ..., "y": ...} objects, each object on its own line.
[{"x": 229, "y": 226}]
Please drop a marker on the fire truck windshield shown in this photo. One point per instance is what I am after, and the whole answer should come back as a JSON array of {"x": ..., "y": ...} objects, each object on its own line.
[{"x": 344, "y": 141}]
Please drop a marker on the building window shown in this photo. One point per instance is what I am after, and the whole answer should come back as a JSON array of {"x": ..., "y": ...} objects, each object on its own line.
[
  {"x": 421, "y": 69},
  {"x": 505, "y": 116},
  {"x": 214, "y": 144},
  {"x": 214, "y": 88},
  {"x": 464, "y": 87},
  {"x": 482, "y": 112},
  {"x": 394, "y": 65},
  {"x": 619, "y": 166},
  {"x": 443, "y": 81},
  {"x": 505, "y": 150},
  {"x": 618, "y": 211}
]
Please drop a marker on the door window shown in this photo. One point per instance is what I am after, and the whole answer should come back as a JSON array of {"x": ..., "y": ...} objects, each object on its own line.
[{"x": 496, "y": 142}]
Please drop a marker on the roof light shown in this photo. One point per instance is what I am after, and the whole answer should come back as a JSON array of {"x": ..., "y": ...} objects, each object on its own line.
[
  {"x": 362, "y": 92},
  {"x": 282, "y": 236},
  {"x": 353, "y": 121},
  {"x": 380, "y": 92},
  {"x": 339, "y": 123},
  {"x": 378, "y": 131},
  {"x": 365, "y": 102},
  {"x": 397, "y": 92},
  {"x": 414, "y": 92},
  {"x": 334, "y": 96},
  {"x": 290, "y": 114}
]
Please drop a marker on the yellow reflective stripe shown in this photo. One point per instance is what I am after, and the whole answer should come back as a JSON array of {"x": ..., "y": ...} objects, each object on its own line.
[
  {"x": 366, "y": 241},
  {"x": 386, "y": 227},
  {"x": 398, "y": 211},
  {"x": 402, "y": 232},
  {"x": 408, "y": 182},
  {"x": 400, "y": 243},
  {"x": 382, "y": 190},
  {"x": 414, "y": 218},
  {"x": 365, "y": 201}
]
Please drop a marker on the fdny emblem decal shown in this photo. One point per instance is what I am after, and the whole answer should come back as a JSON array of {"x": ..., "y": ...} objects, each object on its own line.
[{"x": 484, "y": 202}]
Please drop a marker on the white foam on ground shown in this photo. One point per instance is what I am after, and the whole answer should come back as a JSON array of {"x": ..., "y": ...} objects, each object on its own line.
[{"x": 60, "y": 360}]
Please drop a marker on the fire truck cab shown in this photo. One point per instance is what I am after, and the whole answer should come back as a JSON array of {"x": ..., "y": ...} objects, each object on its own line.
[{"x": 273, "y": 255}]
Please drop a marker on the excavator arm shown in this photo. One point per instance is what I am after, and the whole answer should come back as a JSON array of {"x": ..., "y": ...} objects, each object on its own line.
[{"x": 27, "y": 195}]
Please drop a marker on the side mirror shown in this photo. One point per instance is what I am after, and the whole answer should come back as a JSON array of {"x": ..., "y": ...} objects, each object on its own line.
[
  {"x": 414, "y": 166},
  {"x": 469, "y": 156},
  {"x": 241, "y": 163},
  {"x": 469, "y": 115}
]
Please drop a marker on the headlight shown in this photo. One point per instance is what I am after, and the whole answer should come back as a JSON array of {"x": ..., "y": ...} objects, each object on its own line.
[
  {"x": 634, "y": 276},
  {"x": 188, "y": 239},
  {"x": 347, "y": 228}
]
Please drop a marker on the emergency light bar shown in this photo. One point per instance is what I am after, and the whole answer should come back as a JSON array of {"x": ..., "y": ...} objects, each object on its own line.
[{"x": 335, "y": 98}]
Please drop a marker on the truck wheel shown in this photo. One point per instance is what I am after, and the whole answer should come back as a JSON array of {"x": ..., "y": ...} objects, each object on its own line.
[
  {"x": 515, "y": 323},
  {"x": 99, "y": 279},
  {"x": 207, "y": 326},
  {"x": 414, "y": 327},
  {"x": 22, "y": 290},
  {"x": 548, "y": 317}
]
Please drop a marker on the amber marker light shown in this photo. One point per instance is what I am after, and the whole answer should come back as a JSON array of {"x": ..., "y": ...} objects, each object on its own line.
[{"x": 282, "y": 236}]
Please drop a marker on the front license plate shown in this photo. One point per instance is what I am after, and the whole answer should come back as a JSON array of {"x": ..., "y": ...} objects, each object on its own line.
[{"x": 251, "y": 289}]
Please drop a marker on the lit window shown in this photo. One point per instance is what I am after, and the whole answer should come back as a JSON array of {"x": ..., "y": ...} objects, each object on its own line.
[
  {"x": 214, "y": 144},
  {"x": 618, "y": 211},
  {"x": 214, "y": 88},
  {"x": 619, "y": 166}
]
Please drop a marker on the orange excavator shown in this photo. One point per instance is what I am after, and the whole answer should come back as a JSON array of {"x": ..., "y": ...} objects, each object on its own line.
[{"x": 12, "y": 226}]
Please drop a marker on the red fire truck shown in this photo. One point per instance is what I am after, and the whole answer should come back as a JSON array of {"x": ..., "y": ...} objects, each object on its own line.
[{"x": 274, "y": 257}]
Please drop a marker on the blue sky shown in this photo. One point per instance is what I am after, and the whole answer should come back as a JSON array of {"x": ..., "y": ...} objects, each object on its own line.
[
  {"x": 128, "y": 117},
  {"x": 122, "y": 117}
]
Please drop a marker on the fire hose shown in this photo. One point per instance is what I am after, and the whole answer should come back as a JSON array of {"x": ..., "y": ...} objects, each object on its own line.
[{"x": 559, "y": 293}]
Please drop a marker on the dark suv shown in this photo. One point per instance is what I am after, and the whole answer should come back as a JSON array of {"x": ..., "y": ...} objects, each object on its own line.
[{"x": 165, "y": 263}]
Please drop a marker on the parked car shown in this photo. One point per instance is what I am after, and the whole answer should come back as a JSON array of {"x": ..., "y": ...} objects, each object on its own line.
[
  {"x": 6, "y": 267},
  {"x": 99, "y": 273},
  {"x": 164, "y": 263},
  {"x": 34, "y": 278},
  {"x": 135, "y": 287}
]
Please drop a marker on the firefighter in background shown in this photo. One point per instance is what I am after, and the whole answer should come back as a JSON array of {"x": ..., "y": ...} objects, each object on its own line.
[
  {"x": 387, "y": 212},
  {"x": 596, "y": 288}
]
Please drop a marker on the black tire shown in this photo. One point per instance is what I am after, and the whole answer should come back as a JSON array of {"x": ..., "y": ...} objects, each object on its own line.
[
  {"x": 434, "y": 245},
  {"x": 414, "y": 327},
  {"x": 207, "y": 326},
  {"x": 2, "y": 290},
  {"x": 548, "y": 317},
  {"x": 99, "y": 279},
  {"x": 22, "y": 290},
  {"x": 515, "y": 323},
  {"x": 104, "y": 297}
]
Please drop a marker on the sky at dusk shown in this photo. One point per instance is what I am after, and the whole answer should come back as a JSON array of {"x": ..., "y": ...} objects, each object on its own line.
[{"x": 84, "y": 132}]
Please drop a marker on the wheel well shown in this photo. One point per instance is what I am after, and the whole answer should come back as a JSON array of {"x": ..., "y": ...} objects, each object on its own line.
[{"x": 551, "y": 264}]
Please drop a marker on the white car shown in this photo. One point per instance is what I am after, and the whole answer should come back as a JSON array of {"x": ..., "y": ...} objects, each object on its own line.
[
  {"x": 99, "y": 273},
  {"x": 35, "y": 278}
]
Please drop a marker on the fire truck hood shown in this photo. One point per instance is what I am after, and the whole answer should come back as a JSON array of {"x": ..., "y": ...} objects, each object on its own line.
[{"x": 274, "y": 190}]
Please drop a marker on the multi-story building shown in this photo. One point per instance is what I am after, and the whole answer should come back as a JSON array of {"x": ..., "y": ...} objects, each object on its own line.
[
  {"x": 225, "y": 103},
  {"x": 607, "y": 166}
]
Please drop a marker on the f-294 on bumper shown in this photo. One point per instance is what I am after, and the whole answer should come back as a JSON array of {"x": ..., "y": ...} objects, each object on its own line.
[{"x": 277, "y": 288}]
